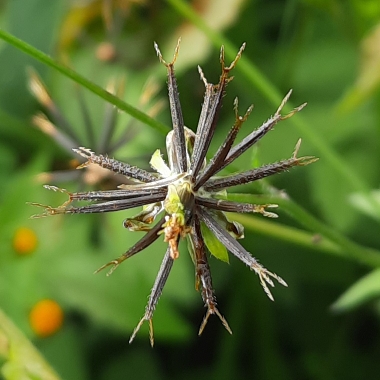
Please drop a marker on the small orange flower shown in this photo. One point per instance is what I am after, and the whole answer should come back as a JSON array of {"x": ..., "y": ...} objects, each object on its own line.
[
  {"x": 24, "y": 241},
  {"x": 46, "y": 317}
]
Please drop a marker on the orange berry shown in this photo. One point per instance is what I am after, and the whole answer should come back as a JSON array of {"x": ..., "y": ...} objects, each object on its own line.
[
  {"x": 46, "y": 317},
  {"x": 24, "y": 241}
]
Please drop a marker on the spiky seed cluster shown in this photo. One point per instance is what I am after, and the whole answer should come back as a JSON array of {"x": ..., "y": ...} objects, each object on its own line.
[{"x": 186, "y": 192}]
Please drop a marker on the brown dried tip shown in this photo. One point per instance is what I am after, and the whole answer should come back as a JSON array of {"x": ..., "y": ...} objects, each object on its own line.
[
  {"x": 265, "y": 278},
  {"x": 38, "y": 89},
  {"x": 302, "y": 161},
  {"x": 114, "y": 263},
  {"x": 137, "y": 328},
  {"x": 234, "y": 62},
  {"x": 205, "y": 320},
  {"x": 176, "y": 50},
  {"x": 291, "y": 113}
]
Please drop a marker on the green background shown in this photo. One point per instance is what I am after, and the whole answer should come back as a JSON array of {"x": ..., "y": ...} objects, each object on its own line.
[{"x": 325, "y": 244}]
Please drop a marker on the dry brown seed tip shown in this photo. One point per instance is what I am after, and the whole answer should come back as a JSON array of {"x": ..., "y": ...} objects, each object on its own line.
[
  {"x": 262, "y": 210},
  {"x": 205, "y": 320},
  {"x": 176, "y": 50},
  {"x": 296, "y": 148},
  {"x": 286, "y": 98},
  {"x": 84, "y": 152},
  {"x": 223, "y": 320},
  {"x": 302, "y": 161},
  {"x": 221, "y": 56},
  {"x": 115, "y": 264},
  {"x": 158, "y": 52},
  {"x": 265, "y": 287},
  {"x": 295, "y": 110},
  {"x": 280, "y": 280},
  {"x": 38, "y": 89},
  {"x": 151, "y": 335},
  {"x": 299, "y": 108},
  {"x": 202, "y": 76},
  {"x": 307, "y": 160},
  {"x": 236, "y": 106},
  {"x": 248, "y": 112},
  {"x": 44, "y": 124},
  {"x": 55, "y": 188},
  {"x": 137, "y": 328},
  {"x": 234, "y": 62}
]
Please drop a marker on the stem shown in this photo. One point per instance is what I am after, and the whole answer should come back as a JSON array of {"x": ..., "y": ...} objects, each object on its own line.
[
  {"x": 285, "y": 233},
  {"x": 336, "y": 244},
  {"x": 91, "y": 86},
  {"x": 22, "y": 358}
]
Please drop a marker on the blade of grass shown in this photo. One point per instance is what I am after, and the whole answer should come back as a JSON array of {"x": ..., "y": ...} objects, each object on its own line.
[
  {"x": 264, "y": 85},
  {"x": 22, "y": 360},
  {"x": 94, "y": 88}
]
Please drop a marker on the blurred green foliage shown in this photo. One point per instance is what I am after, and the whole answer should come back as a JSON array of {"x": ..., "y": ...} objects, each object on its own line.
[{"x": 326, "y": 324}]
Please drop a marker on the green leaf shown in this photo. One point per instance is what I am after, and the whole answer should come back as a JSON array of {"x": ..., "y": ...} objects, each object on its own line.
[
  {"x": 216, "y": 248},
  {"x": 23, "y": 359},
  {"x": 364, "y": 290}
]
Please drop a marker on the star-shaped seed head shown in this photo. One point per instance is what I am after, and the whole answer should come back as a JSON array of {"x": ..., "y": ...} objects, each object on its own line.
[{"x": 185, "y": 195}]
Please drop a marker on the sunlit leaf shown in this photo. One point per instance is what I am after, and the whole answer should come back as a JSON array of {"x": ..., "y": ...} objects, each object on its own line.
[
  {"x": 364, "y": 290},
  {"x": 364, "y": 204},
  {"x": 368, "y": 79}
]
